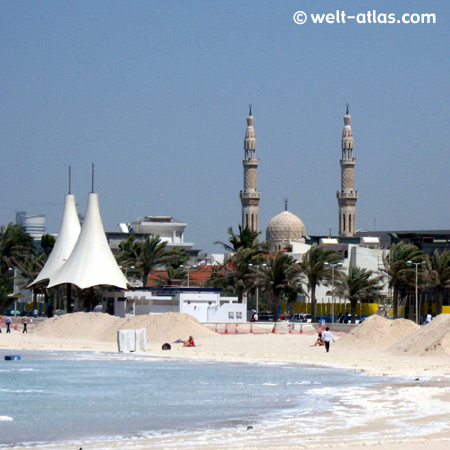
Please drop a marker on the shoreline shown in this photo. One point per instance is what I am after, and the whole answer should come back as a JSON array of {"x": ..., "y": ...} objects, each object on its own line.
[{"x": 422, "y": 399}]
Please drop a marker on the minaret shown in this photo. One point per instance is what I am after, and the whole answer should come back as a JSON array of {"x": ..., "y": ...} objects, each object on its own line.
[
  {"x": 347, "y": 196},
  {"x": 249, "y": 196}
]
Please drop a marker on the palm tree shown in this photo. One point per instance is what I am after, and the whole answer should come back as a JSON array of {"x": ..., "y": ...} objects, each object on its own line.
[
  {"x": 358, "y": 286},
  {"x": 245, "y": 238},
  {"x": 47, "y": 243},
  {"x": 15, "y": 245},
  {"x": 176, "y": 257},
  {"x": 438, "y": 275},
  {"x": 279, "y": 277},
  {"x": 396, "y": 269},
  {"x": 312, "y": 267},
  {"x": 144, "y": 255},
  {"x": 29, "y": 269},
  {"x": 238, "y": 270},
  {"x": 173, "y": 273}
]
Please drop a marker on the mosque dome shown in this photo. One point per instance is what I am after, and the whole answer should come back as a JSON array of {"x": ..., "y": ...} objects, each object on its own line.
[{"x": 285, "y": 227}]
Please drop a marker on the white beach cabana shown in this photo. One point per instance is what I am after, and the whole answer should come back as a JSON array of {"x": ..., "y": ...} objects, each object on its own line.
[
  {"x": 65, "y": 242},
  {"x": 91, "y": 262}
]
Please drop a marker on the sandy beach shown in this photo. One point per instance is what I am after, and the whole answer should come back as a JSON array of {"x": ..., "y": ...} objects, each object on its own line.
[{"x": 420, "y": 355}]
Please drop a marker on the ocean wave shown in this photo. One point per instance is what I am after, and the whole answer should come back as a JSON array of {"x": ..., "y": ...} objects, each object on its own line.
[{"x": 6, "y": 419}]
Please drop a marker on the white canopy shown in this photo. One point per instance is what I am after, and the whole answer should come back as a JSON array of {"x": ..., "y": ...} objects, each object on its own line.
[
  {"x": 91, "y": 262},
  {"x": 65, "y": 242}
]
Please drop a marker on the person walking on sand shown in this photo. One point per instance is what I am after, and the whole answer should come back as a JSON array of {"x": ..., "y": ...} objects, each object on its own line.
[
  {"x": 8, "y": 324},
  {"x": 327, "y": 336},
  {"x": 25, "y": 324}
]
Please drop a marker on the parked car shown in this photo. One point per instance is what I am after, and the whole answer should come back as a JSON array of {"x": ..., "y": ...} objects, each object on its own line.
[
  {"x": 300, "y": 318},
  {"x": 265, "y": 318},
  {"x": 284, "y": 317},
  {"x": 10, "y": 312}
]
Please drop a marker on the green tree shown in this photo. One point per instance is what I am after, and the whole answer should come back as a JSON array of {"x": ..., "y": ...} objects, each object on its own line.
[
  {"x": 144, "y": 255},
  {"x": 238, "y": 270},
  {"x": 15, "y": 245},
  {"x": 397, "y": 271},
  {"x": 438, "y": 275},
  {"x": 279, "y": 277},
  {"x": 29, "y": 269},
  {"x": 173, "y": 273},
  {"x": 245, "y": 238},
  {"x": 358, "y": 286},
  {"x": 313, "y": 269},
  {"x": 47, "y": 243},
  {"x": 176, "y": 257}
]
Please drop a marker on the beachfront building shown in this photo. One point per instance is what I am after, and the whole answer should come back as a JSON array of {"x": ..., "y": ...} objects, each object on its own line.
[{"x": 205, "y": 304}]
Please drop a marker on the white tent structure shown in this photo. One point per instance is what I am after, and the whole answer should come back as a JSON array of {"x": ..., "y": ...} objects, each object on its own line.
[
  {"x": 91, "y": 262},
  {"x": 65, "y": 242}
]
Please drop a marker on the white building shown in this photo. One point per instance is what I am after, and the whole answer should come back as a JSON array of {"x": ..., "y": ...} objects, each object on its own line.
[
  {"x": 205, "y": 304},
  {"x": 169, "y": 229},
  {"x": 34, "y": 224}
]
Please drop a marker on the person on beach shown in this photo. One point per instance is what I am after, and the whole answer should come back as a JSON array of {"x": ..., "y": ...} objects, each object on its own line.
[
  {"x": 319, "y": 341},
  {"x": 327, "y": 336},
  {"x": 25, "y": 324},
  {"x": 8, "y": 324},
  {"x": 189, "y": 343}
]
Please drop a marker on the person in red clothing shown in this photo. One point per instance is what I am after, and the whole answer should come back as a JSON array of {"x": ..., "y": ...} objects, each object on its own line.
[{"x": 189, "y": 343}]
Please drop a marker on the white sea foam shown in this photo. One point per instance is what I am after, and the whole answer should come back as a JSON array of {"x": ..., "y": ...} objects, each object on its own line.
[{"x": 6, "y": 419}]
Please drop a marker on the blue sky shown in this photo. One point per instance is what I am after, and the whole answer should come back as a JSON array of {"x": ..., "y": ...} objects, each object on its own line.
[{"x": 156, "y": 95}]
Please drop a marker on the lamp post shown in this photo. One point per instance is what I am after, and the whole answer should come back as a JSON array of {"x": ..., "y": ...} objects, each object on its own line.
[
  {"x": 126, "y": 270},
  {"x": 257, "y": 287},
  {"x": 327, "y": 265},
  {"x": 416, "y": 264},
  {"x": 188, "y": 268}
]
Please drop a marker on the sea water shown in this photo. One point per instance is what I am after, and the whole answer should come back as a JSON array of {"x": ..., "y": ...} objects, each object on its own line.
[{"x": 52, "y": 397}]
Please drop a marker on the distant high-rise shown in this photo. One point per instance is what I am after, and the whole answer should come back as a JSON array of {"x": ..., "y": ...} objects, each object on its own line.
[
  {"x": 249, "y": 196},
  {"x": 34, "y": 224},
  {"x": 347, "y": 197}
]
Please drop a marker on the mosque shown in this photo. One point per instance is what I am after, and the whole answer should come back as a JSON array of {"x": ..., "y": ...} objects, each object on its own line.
[{"x": 286, "y": 230}]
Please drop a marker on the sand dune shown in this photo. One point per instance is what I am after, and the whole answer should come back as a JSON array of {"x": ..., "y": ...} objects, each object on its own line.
[
  {"x": 431, "y": 339},
  {"x": 103, "y": 328},
  {"x": 377, "y": 332}
]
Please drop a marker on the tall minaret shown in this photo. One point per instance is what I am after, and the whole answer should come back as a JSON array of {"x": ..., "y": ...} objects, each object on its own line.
[
  {"x": 249, "y": 196},
  {"x": 347, "y": 196}
]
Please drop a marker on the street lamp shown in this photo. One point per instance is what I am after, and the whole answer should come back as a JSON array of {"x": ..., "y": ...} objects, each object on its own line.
[
  {"x": 417, "y": 264},
  {"x": 327, "y": 265},
  {"x": 126, "y": 270},
  {"x": 188, "y": 267},
  {"x": 257, "y": 287}
]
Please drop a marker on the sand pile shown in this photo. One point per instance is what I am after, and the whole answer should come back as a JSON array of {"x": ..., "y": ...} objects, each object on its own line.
[
  {"x": 85, "y": 326},
  {"x": 379, "y": 333},
  {"x": 166, "y": 327},
  {"x": 433, "y": 338}
]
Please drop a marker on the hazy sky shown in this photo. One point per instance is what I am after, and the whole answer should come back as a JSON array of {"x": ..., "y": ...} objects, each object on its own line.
[{"x": 156, "y": 94}]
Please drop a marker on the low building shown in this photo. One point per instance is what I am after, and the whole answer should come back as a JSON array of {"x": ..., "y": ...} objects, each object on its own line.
[{"x": 205, "y": 304}]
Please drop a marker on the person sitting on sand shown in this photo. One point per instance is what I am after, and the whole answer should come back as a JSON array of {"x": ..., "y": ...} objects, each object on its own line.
[
  {"x": 319, "y": 340},
  {"x": 189, "y": 343}
]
